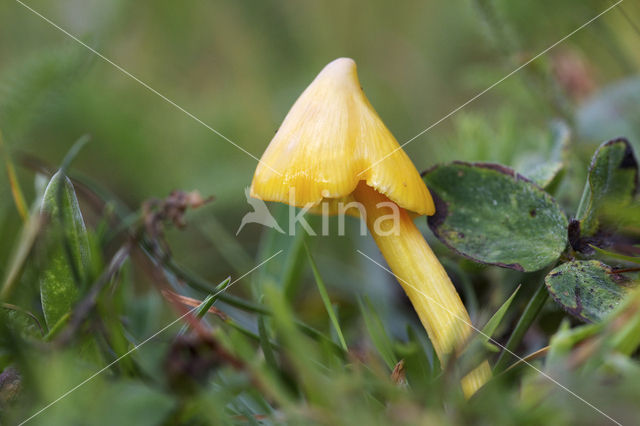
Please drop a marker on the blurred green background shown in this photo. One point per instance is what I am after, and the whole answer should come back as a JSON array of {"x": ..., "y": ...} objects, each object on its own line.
[{"x": 239, "y": 66}]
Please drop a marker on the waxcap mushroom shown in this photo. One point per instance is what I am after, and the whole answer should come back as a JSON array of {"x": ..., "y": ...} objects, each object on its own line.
[
  {"x": 332, "y": 145},
  {"x": 332, "y": 139}
]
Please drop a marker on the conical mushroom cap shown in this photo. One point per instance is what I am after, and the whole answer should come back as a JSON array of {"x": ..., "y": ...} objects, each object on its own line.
[{"x": 330, "y": 140}]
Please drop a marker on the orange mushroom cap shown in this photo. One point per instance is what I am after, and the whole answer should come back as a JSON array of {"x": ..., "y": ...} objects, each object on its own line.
[{"x": 332, "y": 139}]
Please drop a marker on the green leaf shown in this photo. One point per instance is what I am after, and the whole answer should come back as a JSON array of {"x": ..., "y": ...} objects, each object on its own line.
[
  {"x": 378, "y": 334},
  {"x": 627, "y": 339},
  {"x": 530, "y": 313},
  {"x": 322, "y": 289},
  {"x": 20, "y": 253},
  {"x": 207, "y": 303},
  {"x": 293, "y": 266},
  {"x": 16, "y": 190},
  {"x": 612, "y": 112},
  {"x": 493, "y": 323},
  {"x": 476, "y": 350},
  {"x": 630, "y": 259},
  {"x": 566, "y": 338},
  {"x": 612, "y": 183},
  {"x": 587, "y": 289},
  {"x": 103, "y": 404},
  {"x": 265, "y": 344},
  {"x": 305, "y": 362},
  {"x": 493, "y": 215},
  {"x": 418, "y": 366},
  {"x": 67, "y": 250},
  {"x": 544, "y": 165}
]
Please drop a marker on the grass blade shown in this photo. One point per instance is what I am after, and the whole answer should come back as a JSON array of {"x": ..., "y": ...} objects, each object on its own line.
[
  {"x": 528, "y": 316},
  {"x": 631, "y": 259},
  {"x": 16, "y": 191},
  {"x": 477, "y": 349},
  {"x": 376, "y": 330},
  {"x": 265, "y": 344},
  {"x": 293, "y": 266},
  {"x": 207, "y": 303},
  {"x": 30, "y": 231},
  {"x": 325, "y": 299},
  {"x": 496, "y": 319}
]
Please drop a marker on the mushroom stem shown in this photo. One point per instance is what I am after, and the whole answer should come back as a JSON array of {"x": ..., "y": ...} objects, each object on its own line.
[{"x": 423, "y": 279}]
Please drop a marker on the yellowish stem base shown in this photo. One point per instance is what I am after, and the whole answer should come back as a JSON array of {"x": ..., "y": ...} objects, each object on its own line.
[{"x": 424, "y": 280}]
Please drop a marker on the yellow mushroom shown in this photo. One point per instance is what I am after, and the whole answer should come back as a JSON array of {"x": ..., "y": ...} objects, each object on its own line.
[{"x": 333, "y": 146}]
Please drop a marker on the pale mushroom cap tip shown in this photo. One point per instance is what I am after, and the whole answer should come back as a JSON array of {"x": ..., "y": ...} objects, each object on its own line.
[{"x": 331, "y": 139}]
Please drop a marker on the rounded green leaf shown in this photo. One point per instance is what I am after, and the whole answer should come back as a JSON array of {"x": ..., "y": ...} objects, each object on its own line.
[
  {"x": 493, "y": 215},
  {"x": 587, "y": 289},
  {"x": 67, "y": 249},
  {"x": 611, "y": 184}
]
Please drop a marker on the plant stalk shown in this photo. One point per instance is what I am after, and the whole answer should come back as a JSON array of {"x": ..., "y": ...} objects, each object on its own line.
[
  {"x": 528, "y": 316},
  {"x": 424, "y": 280}
]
